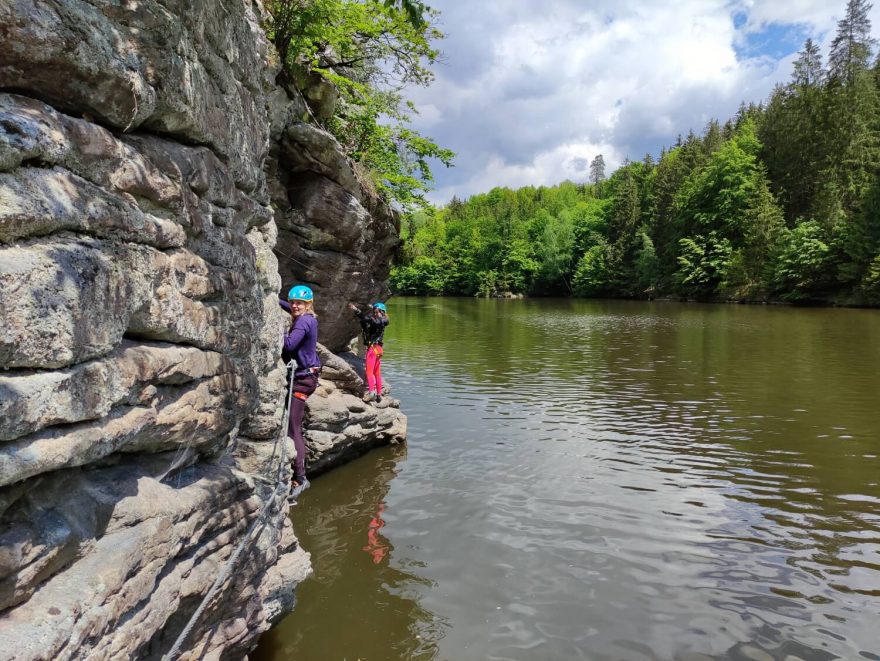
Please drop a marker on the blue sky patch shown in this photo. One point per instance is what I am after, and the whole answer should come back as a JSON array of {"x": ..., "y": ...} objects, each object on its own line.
[{"x": 776, "y": 40}]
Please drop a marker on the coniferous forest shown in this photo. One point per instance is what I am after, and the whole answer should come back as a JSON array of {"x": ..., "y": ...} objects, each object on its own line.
[{"x": 780, "y": 202}]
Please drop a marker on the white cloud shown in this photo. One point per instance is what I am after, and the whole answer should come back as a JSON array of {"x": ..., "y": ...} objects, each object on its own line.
[
  {"x": 819, "y": 15},
  {"x": 569, "y": 161},
  {"x": 527, "y": 88}
]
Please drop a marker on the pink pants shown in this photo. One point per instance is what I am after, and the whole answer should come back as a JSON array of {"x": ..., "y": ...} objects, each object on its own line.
[{"x": 374, "y": 368}]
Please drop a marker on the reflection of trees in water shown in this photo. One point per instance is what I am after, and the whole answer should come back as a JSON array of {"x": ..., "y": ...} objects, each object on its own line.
[
  {"x": 760, "y": 392},
  {"x": 764, "y": 417},
  {"x": 363, "y": 599}
]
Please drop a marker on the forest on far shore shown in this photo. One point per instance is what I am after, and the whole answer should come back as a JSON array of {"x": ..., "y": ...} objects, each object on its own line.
[{"x": 780, "y": 202}]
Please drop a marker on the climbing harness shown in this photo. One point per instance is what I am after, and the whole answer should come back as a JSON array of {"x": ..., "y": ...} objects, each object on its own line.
[{"x": 272, "y": 504}]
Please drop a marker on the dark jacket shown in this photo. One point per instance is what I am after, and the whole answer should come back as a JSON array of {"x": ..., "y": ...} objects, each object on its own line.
[{"x": 373, "y": 327}]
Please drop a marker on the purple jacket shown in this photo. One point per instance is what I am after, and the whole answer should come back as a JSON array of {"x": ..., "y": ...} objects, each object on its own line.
[{"x": 300, "y": 342}]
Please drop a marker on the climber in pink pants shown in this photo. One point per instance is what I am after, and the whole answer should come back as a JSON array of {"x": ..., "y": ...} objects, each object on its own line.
[
  {"x": 374, "y": 369},
  {"x": 373, "y": 324}
]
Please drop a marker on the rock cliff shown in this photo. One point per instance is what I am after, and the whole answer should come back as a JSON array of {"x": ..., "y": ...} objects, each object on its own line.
[{"x": 157, "y": 191}]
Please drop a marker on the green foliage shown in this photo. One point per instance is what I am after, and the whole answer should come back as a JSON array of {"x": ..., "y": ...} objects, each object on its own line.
[
  {"x": 487, "y": 283},
  {"x": 518, "y": 267},
  {"x": 424, "y": 276},
  {"x": 369, "y": 50},
  {"x": 647, "y": 269},
  {"x": 802, "y": 267},
  {"x": 588, "y": 223},
  {"x": 592, "y": 277},
  {"x": 554, "y": 251},
  {"x": 852, "y": 46},
  {"x": 730, "y": 199},
  {"x": 415, "y": 11},
  {"x": 870, "y": 287},
  {"x": 780, "y": 201},
  {"x": 703, "y": 262}
]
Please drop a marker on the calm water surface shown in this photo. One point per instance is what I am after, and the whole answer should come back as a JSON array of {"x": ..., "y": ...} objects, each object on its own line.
[{"x": 606, "y": 480}]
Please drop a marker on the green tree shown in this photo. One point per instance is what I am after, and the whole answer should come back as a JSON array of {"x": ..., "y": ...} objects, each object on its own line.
[
  {"x": 370, "y": 50},
  {"x": 713, "y": 139},
  {"x": 852, "y": 45},
  {"x": 808, "y": 72},
  {"x": 424, "y": 276},
  {"x": 597, "y": 170},
  {"x": 852, "y": 107},
  {"x": 588, "y": 218},
  {"x": 704, "y": 262},
  {"x": 552, "y": 240},
  {"x": 519, "y": 267},
  {"x": 791, "y": 131},
  {"x": 623, "y": 224},
  {"x": 801, "y": 271},
  {"x": 871, "y": 283},
  {"x": 591, "y": 277},
  {"x": 729, "y": 204},
  {"x": 861, "y": 242},
  {"x": 646, "y": 269}
]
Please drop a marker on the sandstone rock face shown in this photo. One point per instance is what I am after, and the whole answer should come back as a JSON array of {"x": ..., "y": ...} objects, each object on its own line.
[
  {"x": 332, "y": 234},
  {"x": 157, "y": 192}
]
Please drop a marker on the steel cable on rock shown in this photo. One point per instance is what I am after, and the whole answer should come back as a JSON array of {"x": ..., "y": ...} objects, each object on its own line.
[{"x": 279, "y": 495}]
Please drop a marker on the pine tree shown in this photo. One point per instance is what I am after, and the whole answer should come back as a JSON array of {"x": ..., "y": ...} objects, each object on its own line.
[
  {"x": 808, "y": 67},
  {"x": 597, "y": 170},
  {"x": 852, "y": 46},
  {"x": 851, "y": 108},
  {"x": 712, "y": 139},
  {"x": 624, "y": 215},
  {"x": 792, "y": 133}
]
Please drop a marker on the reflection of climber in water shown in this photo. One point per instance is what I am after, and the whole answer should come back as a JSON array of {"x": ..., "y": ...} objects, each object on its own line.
[{"x": 377, "y": 546}]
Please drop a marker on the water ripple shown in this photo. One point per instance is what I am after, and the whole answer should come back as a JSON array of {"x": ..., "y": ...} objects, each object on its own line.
[{"x": 607, "y": 480}]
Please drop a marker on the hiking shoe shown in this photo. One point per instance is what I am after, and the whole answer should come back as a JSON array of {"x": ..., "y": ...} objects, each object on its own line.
[
  {"x": 378, "y": 398},
  {"x": 368, "y": 396},
  {"x": 299, "y": 485}
]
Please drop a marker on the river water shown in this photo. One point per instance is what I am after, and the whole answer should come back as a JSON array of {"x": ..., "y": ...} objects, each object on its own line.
[{"x": 606, "y": 480}]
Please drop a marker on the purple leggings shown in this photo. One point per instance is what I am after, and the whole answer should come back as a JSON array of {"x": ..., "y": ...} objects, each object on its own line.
[{"x": 302, "y": 386}]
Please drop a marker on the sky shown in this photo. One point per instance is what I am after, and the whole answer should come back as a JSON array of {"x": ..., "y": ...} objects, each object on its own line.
[{"x": 528, "y": 92}]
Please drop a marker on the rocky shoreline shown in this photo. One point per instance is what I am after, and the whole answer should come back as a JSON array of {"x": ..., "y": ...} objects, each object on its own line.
[{"x": 158, "y": 190}]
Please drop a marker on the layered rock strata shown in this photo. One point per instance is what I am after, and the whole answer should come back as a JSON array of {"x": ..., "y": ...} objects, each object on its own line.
[
  {"x": 332, "y": 233},
  {"x": 141, "y": 393}
]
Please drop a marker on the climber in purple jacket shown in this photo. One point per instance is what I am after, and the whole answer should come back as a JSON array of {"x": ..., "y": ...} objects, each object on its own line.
[{"x": 300, "y": 344}]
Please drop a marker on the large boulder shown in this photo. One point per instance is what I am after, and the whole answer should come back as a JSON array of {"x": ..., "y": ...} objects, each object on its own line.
[
  {"x": 333, "y": 233},
  {"x": 138, "y": 329}
]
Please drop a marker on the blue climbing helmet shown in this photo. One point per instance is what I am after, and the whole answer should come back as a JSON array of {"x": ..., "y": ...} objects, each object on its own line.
[
  {"x": 300, "y": 293},
  {"x": 379, "y": 306}
]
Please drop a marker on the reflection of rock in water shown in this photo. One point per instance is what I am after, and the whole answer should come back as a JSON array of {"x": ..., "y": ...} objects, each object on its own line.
[{"x": 353, "y": 606}]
